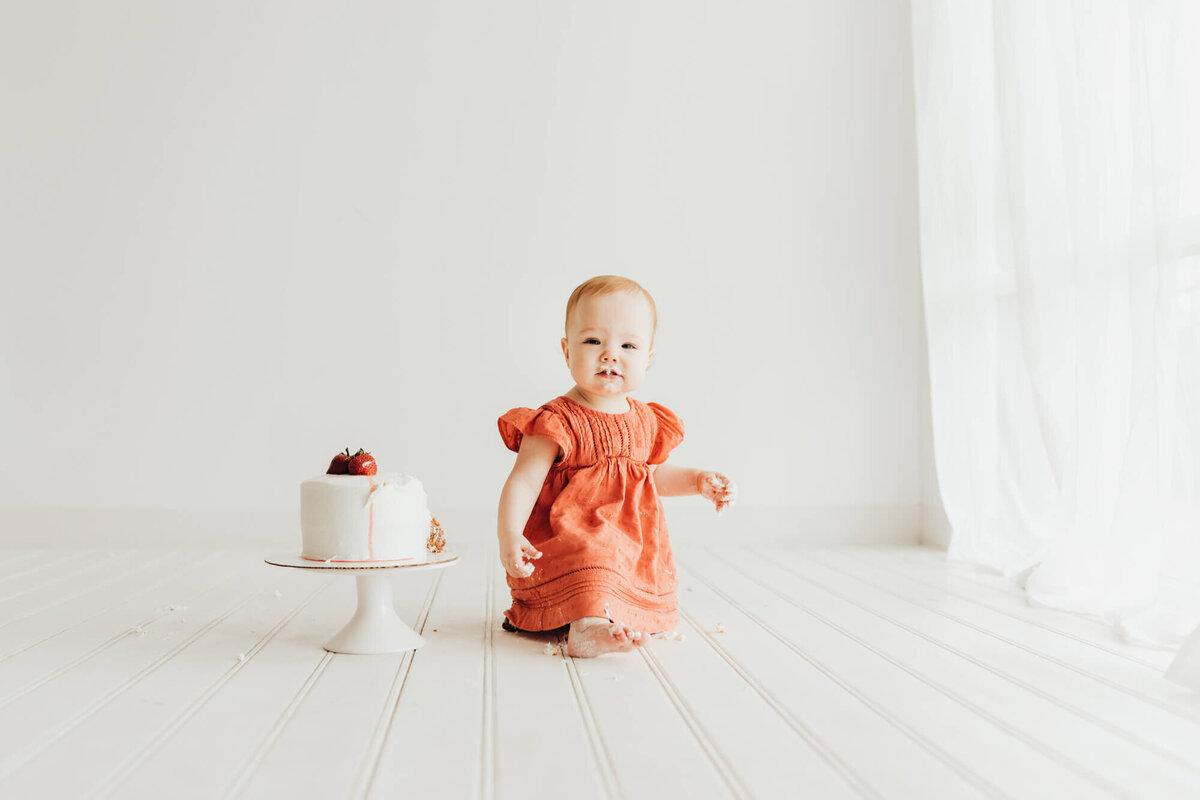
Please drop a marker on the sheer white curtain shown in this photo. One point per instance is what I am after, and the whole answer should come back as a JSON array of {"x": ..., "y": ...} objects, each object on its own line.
[{"x": 1060, "y": 286}]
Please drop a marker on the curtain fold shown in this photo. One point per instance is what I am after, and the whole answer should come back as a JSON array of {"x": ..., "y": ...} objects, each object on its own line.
[{"x": 1058, "y": 326}]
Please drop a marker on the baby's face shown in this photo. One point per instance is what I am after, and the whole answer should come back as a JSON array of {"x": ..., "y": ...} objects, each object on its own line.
[{"x": 608, "y": 340}]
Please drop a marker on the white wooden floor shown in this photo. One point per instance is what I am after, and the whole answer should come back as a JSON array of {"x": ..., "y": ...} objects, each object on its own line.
[{"x": 821, "y": 673}]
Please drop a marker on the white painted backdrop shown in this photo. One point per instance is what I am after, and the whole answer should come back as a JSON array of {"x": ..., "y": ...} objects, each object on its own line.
[{"x": 239, "y": 237}]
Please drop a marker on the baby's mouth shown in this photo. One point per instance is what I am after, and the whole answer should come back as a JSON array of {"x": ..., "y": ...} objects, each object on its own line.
[{"x": 608, "y": 373}]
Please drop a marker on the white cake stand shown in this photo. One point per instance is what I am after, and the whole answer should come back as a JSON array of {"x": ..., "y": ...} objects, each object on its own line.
[{"x": 375, "y": 627}]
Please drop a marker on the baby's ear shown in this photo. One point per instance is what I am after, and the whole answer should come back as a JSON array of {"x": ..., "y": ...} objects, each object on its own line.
[{"x": 564, "y": 349}]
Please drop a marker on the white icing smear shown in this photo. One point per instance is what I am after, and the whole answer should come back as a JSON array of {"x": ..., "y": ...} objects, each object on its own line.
[{"x": 379, "y": 487}]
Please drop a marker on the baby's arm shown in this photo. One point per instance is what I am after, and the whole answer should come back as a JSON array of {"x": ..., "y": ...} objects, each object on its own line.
[
  {"x": 673, "y": 481},
  {"x": 534, "y": 459}
]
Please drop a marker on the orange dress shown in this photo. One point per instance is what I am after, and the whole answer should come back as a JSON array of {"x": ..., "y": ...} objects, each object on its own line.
[{"x": 598, "y": 521}]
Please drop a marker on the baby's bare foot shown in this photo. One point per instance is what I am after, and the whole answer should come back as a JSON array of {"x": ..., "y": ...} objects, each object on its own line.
[{"x": 594, "y": 636}]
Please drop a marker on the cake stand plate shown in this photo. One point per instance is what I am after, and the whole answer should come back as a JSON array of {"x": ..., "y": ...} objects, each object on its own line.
[{"x": 375, "y": 627}]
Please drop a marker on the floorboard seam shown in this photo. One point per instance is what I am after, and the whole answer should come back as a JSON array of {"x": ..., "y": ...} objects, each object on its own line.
[
  {"x": 184, "y": 569},
  {"x": 1017, "y": 733},
  {"x": 124, "y": 770},
  {"x": 1103, "y": 724},
  {"x": 720, "y": 763},
  {"x": 994, "y": 590},
  {"x": 83, "y": 567},
  {"x": 370, "y": 764},
  {"x": 61, "y": 599},
  {"x": 134, "y": 630},
  {"x": 243, "y": 775},
  {"x": 917, "y": 737},
  {"x": 1128, "y": 691},
  {"x": 15, "y": 760},
  {"x": 601, "y": 757},
  {"x": 68, "y": 557},
  {"x": 836, "y": 763},
  {"x": 488, "y": 739}
]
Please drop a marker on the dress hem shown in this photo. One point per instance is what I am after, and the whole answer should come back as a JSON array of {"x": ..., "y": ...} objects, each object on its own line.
[{"x": 590, "y": 604}]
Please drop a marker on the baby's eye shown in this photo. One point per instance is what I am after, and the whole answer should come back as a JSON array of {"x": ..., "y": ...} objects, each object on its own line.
[
  {"x": 630, "y": 346},
  {"x": 591, "y": 341}
]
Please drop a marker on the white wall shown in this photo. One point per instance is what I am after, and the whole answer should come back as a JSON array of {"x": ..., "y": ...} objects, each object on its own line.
[{"x": 239, "y": 237}]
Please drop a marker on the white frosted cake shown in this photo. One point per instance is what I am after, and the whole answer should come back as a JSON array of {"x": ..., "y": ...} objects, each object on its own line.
[{"x": 361, "y": 518}]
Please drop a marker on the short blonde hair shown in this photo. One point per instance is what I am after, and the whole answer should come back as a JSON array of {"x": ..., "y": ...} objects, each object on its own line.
[{"x": 602, "y": 285}]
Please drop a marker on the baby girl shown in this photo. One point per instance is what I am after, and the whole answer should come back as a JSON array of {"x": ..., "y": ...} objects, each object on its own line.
[{"x": 581, "y": 528}]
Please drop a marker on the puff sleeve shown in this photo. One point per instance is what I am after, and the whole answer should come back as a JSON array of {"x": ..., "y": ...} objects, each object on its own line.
[
  {"x": 668, "y": 433},
  {"x": 521, "y": 422}
]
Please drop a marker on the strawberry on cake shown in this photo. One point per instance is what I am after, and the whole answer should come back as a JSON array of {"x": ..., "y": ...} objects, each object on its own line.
[{"x": 356, "y": 514}]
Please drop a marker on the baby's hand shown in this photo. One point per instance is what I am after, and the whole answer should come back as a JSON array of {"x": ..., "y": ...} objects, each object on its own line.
[
  {"x": 718, "y": 488},
  {"x": 514, "y": 555}
]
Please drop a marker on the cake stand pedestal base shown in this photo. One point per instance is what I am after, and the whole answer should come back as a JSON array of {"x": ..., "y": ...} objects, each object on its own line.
[{"x": 375, "y": 627}]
